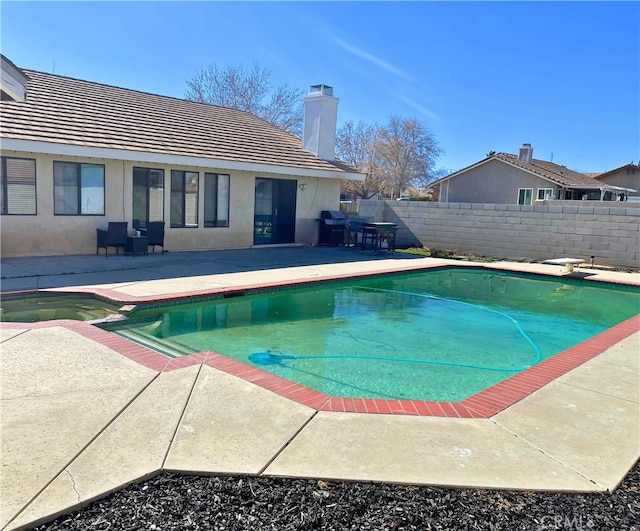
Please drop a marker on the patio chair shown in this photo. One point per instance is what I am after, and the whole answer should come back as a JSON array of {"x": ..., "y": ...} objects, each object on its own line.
[
  {"x": 114, "y": 236},
  {"x": 369, "y": 239},
  {"x": 387, "y": 238},
  {"x": 354, "y": 228},
  {"x": 155, "y": 234}
]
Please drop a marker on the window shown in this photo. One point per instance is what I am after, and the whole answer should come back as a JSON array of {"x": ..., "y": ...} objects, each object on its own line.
[
  {"x": 184, "y": 198},
  {"x": 18, "y": 186},
  {"x": 524, "y": 196},
  {"x": 545, "y": 193},
  {"x": 78, "y": 189},
  {"x": 148, "y": 196},
  {"x": 216, "y": 200}
]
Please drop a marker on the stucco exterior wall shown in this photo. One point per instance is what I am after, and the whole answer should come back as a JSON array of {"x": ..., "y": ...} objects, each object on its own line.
[
  {"x": 624, "y": 179},
  {"x": 494, "y": 182},
  {"x": 46, "y": 234},
  {"x": 608, "y": 231}
]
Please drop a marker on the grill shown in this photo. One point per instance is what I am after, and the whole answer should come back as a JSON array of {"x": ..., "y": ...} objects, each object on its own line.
[{"x": 332, "y": 226}]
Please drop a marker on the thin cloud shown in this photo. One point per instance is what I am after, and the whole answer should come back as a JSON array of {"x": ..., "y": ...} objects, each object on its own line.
[
  {"x": 416, "y": 106},
  {"x": 371, "y": 58}
]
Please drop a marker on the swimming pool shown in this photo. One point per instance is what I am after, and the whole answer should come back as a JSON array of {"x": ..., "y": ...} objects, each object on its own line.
[{"x": 439, "y": 335}]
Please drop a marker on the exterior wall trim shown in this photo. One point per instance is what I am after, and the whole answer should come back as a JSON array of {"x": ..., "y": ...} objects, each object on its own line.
[{"x": 50, "y": 148}]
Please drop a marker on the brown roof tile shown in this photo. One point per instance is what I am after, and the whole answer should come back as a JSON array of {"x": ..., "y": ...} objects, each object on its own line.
[
  {"x": 554, "y": 172},
  {"x": 70, "y": 111},
  {"x": 631, "y": 165}
]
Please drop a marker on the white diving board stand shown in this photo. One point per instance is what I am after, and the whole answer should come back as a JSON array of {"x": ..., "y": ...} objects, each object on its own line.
[{"x": 568, "y": 263}]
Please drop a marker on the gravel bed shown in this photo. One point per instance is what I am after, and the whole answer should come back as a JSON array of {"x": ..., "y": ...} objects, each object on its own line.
[{"x": 181, "y": 502}]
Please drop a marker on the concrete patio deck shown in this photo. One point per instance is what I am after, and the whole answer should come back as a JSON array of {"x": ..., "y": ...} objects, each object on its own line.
[{"x": 80, "y": 420}]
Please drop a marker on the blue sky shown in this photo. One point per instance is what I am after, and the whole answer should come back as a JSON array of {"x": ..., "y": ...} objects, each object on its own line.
[{"x": 563, "y": 76}]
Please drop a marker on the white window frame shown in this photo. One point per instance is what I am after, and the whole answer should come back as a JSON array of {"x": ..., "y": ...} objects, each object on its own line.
[
  {"x": 525, "y": 197},
  {"x": 547, "y": 193},
  {"x": 18, "y": 187}
]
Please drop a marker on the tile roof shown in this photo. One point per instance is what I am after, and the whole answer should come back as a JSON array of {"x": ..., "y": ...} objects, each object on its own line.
[
  {"x": 549, "y": 170},
  {"x": 560, "y": 175},
  {"x": 69, "y": 111},
  {"x": 631, "y": 165}
]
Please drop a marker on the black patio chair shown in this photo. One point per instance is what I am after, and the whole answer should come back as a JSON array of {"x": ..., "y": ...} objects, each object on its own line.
[
  {"x": 155, "y": 234},
  {"x": 114, "y": 236}
]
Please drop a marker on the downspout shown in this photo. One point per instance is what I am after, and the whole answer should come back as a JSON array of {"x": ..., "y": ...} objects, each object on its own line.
[{"x": 123, "y": 192}]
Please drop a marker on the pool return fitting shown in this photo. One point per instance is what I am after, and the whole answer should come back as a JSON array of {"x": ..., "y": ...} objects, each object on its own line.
[{"x": 268, "y": 357}]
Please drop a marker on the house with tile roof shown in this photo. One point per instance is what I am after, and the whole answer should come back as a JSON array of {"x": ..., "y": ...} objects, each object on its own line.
[
  {"x": 504, "y": 178},
  {"x": 627, "y": 176},
  {"x": 78, "y": 154}
]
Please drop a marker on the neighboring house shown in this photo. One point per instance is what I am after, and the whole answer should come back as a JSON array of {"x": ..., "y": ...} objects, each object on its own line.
[
  {"x": 503, "y": 178},
  {"x": 78, "y": 154},
  {"x": 627, "y": 176}
]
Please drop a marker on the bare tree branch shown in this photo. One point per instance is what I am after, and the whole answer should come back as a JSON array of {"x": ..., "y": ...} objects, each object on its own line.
[
  {"x": 356, "y": 145},
  {"x": 409, "y": 151},
  {"x": 251, "y": 91},
  {"x": 400, "y": 154},
  {"x": 285, "y": 109}
]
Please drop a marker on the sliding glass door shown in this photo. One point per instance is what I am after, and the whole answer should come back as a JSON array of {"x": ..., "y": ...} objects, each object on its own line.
[{"x": 275, "y": 211}]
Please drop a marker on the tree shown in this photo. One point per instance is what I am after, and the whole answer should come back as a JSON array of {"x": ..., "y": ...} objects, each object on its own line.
[
  {"x": 408, "y": 151},
  {"x": 355, "y": 145},
  {"x": 399, "y": 154},
  {"x": 441, "y": 172},
  {"x": 251, "y": 91}
]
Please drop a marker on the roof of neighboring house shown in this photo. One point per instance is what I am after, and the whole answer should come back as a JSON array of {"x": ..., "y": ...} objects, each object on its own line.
[
  {"x": 63, "y": 110},
  {"x": 549, "y": 170},
  {"x": 610, "y": 172},
  {"x": 560, "y": 175}
]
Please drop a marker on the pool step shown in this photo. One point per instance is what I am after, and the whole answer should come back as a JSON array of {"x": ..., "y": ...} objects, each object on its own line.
[{"x": 168, "y": 348}]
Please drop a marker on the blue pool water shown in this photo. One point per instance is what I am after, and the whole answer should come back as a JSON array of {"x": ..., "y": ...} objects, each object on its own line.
[{"x": 438, "y": 335}]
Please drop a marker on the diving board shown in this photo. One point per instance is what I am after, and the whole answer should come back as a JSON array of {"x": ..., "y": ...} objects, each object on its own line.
[{"x": 568, "y": 263}]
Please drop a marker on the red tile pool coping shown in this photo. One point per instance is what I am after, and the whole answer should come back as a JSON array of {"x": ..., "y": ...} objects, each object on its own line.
[{"x": 482, "y": 405}]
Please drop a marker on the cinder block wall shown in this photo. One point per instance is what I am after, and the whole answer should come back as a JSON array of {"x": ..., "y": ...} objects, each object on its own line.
[{"x": 609, "y": 231}]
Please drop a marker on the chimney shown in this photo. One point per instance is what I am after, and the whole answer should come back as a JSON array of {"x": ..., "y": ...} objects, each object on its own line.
[
  {"x": 526, "y": 153},
  {"x": 320, "y": 121}
]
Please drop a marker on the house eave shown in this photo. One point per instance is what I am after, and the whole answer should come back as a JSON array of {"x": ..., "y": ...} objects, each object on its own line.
[
  {"x": 52, "y": 148},
  {"x": 602, "y": 187},
  {"x": 611, "y": 172},
  {"x": 459, "y": 172},
  {"x": 13, "y": 80}
]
